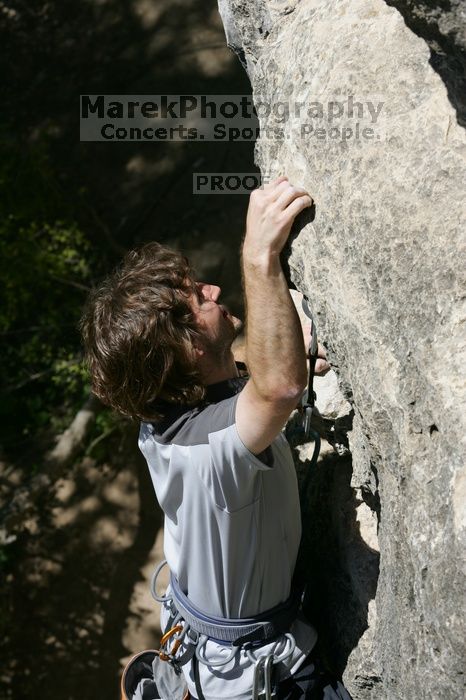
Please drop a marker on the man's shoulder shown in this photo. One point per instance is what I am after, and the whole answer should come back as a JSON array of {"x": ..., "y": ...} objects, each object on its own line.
[{"x": 192, "y": 426}]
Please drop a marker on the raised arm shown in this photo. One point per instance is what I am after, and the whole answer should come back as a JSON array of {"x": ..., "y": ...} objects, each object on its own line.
[{"x": 274, "y": 339}]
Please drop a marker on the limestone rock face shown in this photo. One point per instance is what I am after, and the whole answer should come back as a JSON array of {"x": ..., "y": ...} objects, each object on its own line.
[{"x": 382, "y": 261}]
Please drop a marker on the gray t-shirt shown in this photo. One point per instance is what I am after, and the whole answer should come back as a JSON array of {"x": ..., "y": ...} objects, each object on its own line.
[{"x": 232, "y": 522}]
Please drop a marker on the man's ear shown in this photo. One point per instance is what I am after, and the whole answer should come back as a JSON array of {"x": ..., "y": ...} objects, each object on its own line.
[
  {"x": 198, "y": 352},
  {"x": 198, "y": 348}
]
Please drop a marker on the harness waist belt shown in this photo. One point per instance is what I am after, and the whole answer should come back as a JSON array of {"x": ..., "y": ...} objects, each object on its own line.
[{"x": 258, "y": 629}]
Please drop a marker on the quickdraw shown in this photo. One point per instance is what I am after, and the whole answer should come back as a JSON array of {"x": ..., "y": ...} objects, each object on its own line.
[
  {"x": 308, "y": 404},
  {"x": 262, "y": 684},
  {"x": 298, "y": 434}
]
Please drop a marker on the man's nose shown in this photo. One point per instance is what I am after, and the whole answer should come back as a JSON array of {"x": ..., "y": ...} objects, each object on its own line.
[{"x": 210, "y": 291}]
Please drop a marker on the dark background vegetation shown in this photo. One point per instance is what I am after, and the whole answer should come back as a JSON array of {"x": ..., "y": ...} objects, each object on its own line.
[{"x": 72, "y": 572}]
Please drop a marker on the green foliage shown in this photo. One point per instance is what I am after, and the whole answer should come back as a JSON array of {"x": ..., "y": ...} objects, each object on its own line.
[{"x": 44, "y": 273}]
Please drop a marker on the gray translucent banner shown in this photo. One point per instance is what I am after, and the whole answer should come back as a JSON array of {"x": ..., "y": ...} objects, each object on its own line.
[
  {"x": 117, "y": 118},
  {"x": 114, "y": 118}
]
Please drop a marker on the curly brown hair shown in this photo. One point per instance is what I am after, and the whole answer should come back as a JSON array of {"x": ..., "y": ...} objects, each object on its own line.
[{"x": 138, "y": 330}]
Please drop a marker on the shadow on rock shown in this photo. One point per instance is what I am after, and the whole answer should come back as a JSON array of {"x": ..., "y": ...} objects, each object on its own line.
[{"x": 341, "y": 569}]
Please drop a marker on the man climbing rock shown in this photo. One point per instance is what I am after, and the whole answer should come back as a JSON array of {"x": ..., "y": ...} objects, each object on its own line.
[{"x": 158, "y": 344}]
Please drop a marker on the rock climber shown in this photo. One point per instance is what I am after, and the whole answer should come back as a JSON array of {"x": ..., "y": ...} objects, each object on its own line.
[{"x": 158, "y": 343}]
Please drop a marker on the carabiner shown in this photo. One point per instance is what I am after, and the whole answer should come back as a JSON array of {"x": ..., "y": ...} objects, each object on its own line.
[
  {"x": 268, "y": 677},
  {"x": 262, "y": 681},
  {"x": 256, "y": 684},
  {"x": 168, "y": 655}
]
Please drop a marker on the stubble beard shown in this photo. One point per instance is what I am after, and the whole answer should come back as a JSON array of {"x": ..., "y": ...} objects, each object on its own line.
[{"x": 221, "y": 346}]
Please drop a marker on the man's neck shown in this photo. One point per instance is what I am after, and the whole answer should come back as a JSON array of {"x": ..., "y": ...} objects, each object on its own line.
[{"x": 219, "y": 369}]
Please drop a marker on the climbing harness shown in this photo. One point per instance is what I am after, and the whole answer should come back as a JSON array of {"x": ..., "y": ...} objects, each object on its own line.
[{"x": 193, "y": 628}]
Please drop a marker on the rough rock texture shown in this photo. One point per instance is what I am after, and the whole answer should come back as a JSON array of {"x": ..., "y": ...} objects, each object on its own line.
[
  {"x": 382, "y": 261},
  {"x": 443, "y": 26}
]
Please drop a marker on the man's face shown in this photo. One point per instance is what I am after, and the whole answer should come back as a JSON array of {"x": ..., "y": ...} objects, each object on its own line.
[{"x": 218, "y": 325}]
